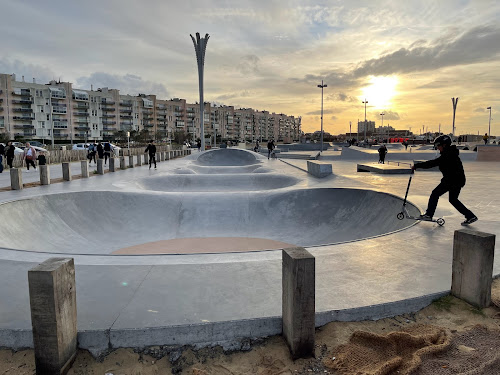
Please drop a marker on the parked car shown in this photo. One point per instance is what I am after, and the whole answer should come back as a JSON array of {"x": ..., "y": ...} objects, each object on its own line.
[
  {"x": 17, "y": 150},
  {"x": 81, "y": 146},
  {"x": 37, "y": 144}
]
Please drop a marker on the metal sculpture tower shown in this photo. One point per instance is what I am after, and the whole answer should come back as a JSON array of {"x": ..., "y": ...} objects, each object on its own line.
[{"x": 200, "y": 45}]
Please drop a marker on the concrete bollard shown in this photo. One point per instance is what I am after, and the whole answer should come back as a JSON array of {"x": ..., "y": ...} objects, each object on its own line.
[
  {"x": 85, "y": 168},
  {"x": 167, "y": 155},
  {"x": 162, "y": 155},
  {"x": 131, "y": 161},
  {"x": 100, "y": 166},
  {"x": 146, "y": 159},
  {"x": 66, "y": 171},
  {"x": 139, "y": 160},
  {"x": 53, "y": 315},
  {"x": 111, "y": 164},
  {"x": 44, "y": 174},
  {"x": 122, "y": 162},
  {"x": 298, "y": 279},
  {"x": 158, "y": 158},
  {"x": 16, "y": 179},
  {"x": 472, "y": 270}
]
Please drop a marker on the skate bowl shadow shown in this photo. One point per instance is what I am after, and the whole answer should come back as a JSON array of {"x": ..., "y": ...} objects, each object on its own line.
[
  {"x": 216, "y": 182},
  {"x": 227, "y": 157},
  {"x": 101, "y": 222}
]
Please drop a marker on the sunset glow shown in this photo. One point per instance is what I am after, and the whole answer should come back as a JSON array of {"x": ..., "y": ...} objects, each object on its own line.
[{"x": 380, "y": 92}]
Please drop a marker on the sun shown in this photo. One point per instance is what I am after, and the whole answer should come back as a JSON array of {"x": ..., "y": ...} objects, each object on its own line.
[{"x": 380, "y": 91}]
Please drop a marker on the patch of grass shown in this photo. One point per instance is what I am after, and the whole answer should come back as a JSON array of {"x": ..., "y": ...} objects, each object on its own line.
[
  {"x": 475, "y": 310},
  {"x": 444, "y": 303},
  {"x": 95, "y": 172}
]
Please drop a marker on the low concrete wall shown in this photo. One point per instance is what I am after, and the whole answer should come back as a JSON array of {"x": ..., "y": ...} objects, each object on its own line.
[
  {"x": 488, "y": 153},
  {"x": 319, "y": 169}
]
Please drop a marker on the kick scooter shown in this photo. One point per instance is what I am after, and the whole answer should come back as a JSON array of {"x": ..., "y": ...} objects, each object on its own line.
[{"x": 404, "y": 214}]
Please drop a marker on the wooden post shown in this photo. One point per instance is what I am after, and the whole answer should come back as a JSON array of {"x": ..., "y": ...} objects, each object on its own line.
[
  {"x": 85, "y": 168},
  {"x": 131, "y": 161},
  {"x": 44, "y": 174},
  {"x": 298, "y": 303},
  {"x": 53, "y": 315},
  {"x": 16, "y": 179},
  {"x": 472, "y": 271},
  {"x": 100, "y": 166},
  {"x": 66, "y": 171}
]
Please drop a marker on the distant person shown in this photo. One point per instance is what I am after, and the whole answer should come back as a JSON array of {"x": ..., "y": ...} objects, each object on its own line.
[
  {"x": 382, "y": 151},
  {"x": 9, "y": 153},
  {"x": 459, "y": 139},
  {"x": 453, "y": 180},
  {"x": 107, "y": 151},
  {"x": 485, "y": 138},
  {"x": 152, "y": 153},
  {"x": 405, "y": 143},
  {"x": 42, "y": 160},
  {"x": 30, "y": 156},
  {"x": 91, "y": 153},
  {"x": 198, "y": 145},
  {"x": 270, "y": 148},
  {"x": 2, "y": 154},
  {"x": 256, "y": 148},
  {"x": 100, "y": 150}
]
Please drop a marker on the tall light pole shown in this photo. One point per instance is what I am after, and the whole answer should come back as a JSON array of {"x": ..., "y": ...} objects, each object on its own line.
[
  {"x": 489, "y": 123},
  {"x": 382, "y": 115},
  {"x": 365, "y": 103},
  {"x": 200, "y": 46},
  {"x": 455, "y": 102},
  {"x": 322, "y": 86}
]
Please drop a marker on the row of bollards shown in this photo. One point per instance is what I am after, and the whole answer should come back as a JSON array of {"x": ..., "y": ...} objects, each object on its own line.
[
  {"x": 16, "y": 178},
  {"x": 53, "y": 298}
]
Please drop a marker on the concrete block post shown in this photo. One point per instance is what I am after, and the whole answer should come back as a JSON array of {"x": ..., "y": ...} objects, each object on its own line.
[
  {"x": 66, "y": 171},
  {"x": 162, "y": 156},
  {"x": 53, "y": 315},
  {"x": 146, "y": 159},
  {"x": 158, "y": 157},
  {"x": 100, "y": 166},
  {"x": 85, "y": 168},
  {"x": 131, "y": 161},
  {"x": 167, "y": 155},
  {"x": 139, "y": 160},
  {"x": 472, "y": 270},
  {"x": 298, "y": 304},
  {"x": 16, "y": 179},
  {"x": 111, "y": 164},
  {"x": 122, "y": 162},
  {"x": 44, "y": 174}
]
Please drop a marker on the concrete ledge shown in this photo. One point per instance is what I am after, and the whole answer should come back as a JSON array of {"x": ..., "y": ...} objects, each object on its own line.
[
  {"x": 319, "y": 169},
  {"x": 384, "y": 168},
  {"x": 488, "y": 153}
]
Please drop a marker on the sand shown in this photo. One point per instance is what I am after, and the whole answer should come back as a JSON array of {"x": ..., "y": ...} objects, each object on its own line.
[{"x": 269, "y": 356}]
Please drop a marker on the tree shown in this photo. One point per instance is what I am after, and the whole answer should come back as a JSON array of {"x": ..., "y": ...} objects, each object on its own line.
[
  {"x": 4, "y": 137},
  {"x": 179, "y": 137}
]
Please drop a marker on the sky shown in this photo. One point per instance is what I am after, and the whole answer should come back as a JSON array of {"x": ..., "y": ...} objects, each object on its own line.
[{"x": 407, "y": 59}]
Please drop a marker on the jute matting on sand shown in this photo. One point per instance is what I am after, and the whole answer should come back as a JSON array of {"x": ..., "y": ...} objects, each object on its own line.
[{"x": 419, "y": 350}]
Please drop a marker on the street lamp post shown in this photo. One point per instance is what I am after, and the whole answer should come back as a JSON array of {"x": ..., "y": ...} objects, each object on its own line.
[
  {"x": 455, "y": 102},
  {"x": 365, "y": 103},
  {"x": 382, "y": 115},
  {"x": 489, "y": 123},
  {"x": 200, "y": 46},
  {"x": 322, "y": 86}
]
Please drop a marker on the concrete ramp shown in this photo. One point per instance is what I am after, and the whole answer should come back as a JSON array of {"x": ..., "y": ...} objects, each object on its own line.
[
  {"x": 227, "y": 156},
  {"x": 102, "y": 222}
]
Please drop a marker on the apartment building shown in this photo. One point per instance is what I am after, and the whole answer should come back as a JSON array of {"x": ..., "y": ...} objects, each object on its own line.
[{"x": 57, "y": 111}]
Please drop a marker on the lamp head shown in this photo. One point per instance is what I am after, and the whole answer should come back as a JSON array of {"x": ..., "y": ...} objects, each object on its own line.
[{"x": 488, "y": 108}]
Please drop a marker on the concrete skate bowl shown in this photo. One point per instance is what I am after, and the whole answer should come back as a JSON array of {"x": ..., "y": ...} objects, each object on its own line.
[
  {"x": 227, "y": 157},
  {"x": 104, "y": 222},
  {"x": 216, "y": 182}
]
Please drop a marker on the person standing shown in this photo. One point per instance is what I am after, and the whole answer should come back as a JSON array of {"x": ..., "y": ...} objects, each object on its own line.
[
  {"x": 453, "y": 180},
  {"x": 9, "y": 153},
  {"x": 30, "y": 156},
  {"x": 152, "y": 153},
  {"x": 485, "y": 138},
  {"x": 256, "y": 148},
  {"x": 100, "y": 150},
  {"x": 382, "y": 151},
  {"x": 198, "y": 144},
  {"x": 270, "y": 148},
  {"x": 2, "y": 153},
  {"x": 107, "y": 151}
]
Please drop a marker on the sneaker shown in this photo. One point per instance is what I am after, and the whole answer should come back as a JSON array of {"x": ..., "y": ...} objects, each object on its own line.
[
  {"x": 425, "y": 217},
  {"x": 470, "y": 221}
]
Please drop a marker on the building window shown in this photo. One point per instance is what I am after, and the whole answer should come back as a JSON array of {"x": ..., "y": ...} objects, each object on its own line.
[
  {"x": 41, "y": 124},
  {"x": 48, "y": 117},
  {"x": 40, "y": 108}
]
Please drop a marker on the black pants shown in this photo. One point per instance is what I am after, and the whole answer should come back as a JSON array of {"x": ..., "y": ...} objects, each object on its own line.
[
  {"x": 381, "y": 159},
  {"x": 152, "y": 159},
  {"x": 106, "y": 156},
  {"x": 454, "y": 192},
  {"x": 10, "y": 159},
  {"x": 28, "y": 162}
]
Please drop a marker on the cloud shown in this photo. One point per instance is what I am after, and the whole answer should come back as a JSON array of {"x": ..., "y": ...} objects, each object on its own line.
[
  {"x": 248, "y": 64},
  {"x": 29, "y": 71},
  {"x": 334, "y": 118},
  {"x": 390, "y": 115},
  {"x": 127, "y": 84},
  {"x": 341, "y": 97},
  {"x": 325, "y": 111},
  {"x": 242, "y": 94},
  {"x": 435, "y": 85},
  {"x": 481, "y": 110}
]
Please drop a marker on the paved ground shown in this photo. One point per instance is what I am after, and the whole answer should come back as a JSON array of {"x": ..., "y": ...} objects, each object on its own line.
[{"x": 127, "y": 300}]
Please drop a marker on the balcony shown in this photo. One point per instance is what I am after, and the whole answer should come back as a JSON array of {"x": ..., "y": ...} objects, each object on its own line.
[
  {"x": 147, "y": 111},
  {"x": 109, "y": 122},
  {"x": 107, "y": 102},
  {"x": 58, "y": 109},
  {"x": 25, "y": 126},
  {"x": 148, "y": 125},
  {"x": 81, "y": 106},
  {"x": 23, "y": 101},
  {"x": 60, "y": 136},
  {"x": 127, "y": 103},
  {"x": 22, "y": 92},
  {"x": 108, "y": 109},
  {"x": 59, "y": 125},
  {"x": 128, "y": 110},
  {"x": 23, "y": 118},
  {"x": 1, "y": 109},
  {"x": 81, "y": 113},
  {"x": 110, "y": 115},
  {"x": 81, "y": 127},
  {"x": 126, "y": 116},
  {"x": 108, "y": 128},
  {"x": 23, "y": 109},
  {"x": 127, "y": 123},
  {"x": 25, "y": 134},
  {"x": 80, "y": 135}
]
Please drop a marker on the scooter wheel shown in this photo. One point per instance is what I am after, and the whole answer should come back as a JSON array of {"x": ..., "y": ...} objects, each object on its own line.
[
  {"x": 401, "y": 216},
  {"x": 440, "y": 222}
]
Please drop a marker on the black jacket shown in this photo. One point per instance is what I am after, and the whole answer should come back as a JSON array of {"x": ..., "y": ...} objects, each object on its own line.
[
  {"x": 151, "y": 149},
  {"x": 2, "y": 149},
  {"x": 10, "y": 151},
  {"x": 449, "y": 164},
  {"x": 100, "y": 150}
]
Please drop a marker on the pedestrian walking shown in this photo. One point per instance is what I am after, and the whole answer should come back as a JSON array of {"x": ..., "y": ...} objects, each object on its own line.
[
  {"x": 2, "y": 154},
  {"x": 256, "y": 148},
  {"x": 198, "y": 145},
  {"x": 30, "y": 156},
  {"x": 152, "y": 153},
  {"x": 382, "y": 151},
  {"x": 453, "y": 180},
  {"x": 100, "y": 150},
  {"x": 9, "y": 153},
  {"x": 107, "y": 151},
  {"x": 270, "y": 148},
  {"x": 42, "y": 160},
  {"x": 91, "y": 153}
]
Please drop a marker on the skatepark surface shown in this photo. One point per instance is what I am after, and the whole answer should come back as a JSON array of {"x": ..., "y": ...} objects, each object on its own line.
[{"x": 144, "y": 276}]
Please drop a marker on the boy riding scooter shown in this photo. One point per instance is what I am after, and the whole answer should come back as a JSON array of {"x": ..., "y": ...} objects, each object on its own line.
[{"x": 453, "y": 179}]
